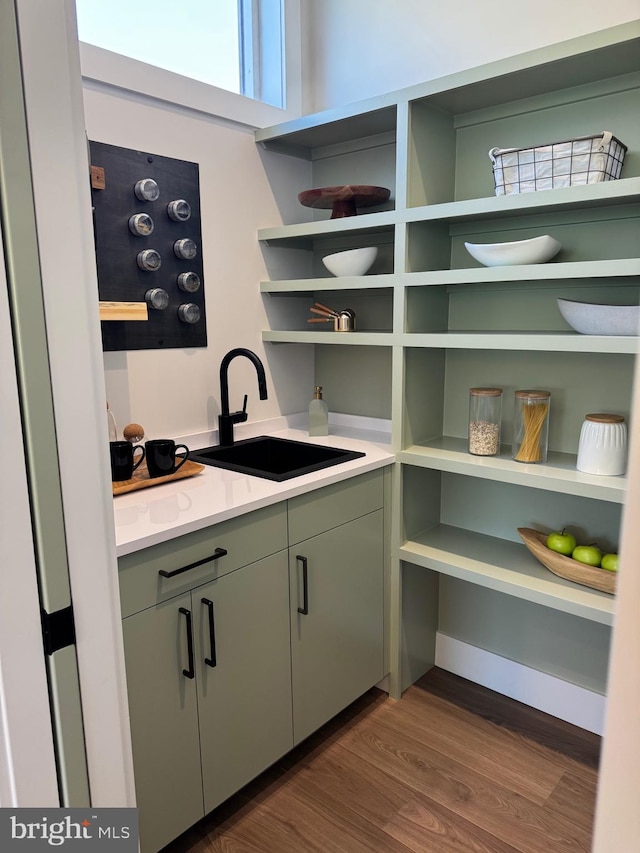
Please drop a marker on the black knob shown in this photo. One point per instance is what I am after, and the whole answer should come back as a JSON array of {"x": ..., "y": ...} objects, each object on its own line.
[
  {"x": 149, "y": 260},
  {"x": 185, "y": 249},
  {"x": 147, "y": 190},
  {"x": 189, "y": 313},
  {"x": 189, "y": 282},
  {"x": 179, "y": 210}
]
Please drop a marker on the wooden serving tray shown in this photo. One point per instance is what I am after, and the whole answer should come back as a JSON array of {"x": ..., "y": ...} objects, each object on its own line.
[
  {"x": 142, "y": 480},
  {"x": 566, "y": 567}
]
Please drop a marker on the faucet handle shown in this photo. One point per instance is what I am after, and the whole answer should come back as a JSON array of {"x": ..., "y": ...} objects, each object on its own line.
[{"x": 244, "y": 405}]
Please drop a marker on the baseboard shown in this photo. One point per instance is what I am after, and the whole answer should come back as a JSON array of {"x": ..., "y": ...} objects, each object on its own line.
[{"x": 548, "y": 693}]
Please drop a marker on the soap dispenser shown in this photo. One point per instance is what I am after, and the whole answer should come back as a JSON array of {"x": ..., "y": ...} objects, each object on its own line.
[{"x": 318, "y": 414}]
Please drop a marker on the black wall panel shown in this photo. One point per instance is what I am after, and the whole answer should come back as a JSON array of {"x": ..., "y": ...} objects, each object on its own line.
[{"x": 119, "y": 276}]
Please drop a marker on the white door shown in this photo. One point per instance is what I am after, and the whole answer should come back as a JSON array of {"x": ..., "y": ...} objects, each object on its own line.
[
  {"x": 27, "y": 761},
  {"x": 52, "y": 377}
]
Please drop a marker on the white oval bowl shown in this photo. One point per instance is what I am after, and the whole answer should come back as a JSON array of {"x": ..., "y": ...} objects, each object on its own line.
[
  {"x": 351, "y": 262},
  {"x": 537, "y": 250},
  {"x": 591, "y": 319}
]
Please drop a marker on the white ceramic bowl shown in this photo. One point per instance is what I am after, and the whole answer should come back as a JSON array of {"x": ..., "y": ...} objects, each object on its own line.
[
  {"x": 351, "y": 262},
  {"x": 591, "y": 319},
  {"x": 537, "y": 250}
]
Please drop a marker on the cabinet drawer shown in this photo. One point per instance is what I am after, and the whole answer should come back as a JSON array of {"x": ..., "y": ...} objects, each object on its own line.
[
  {"x": 318, "y": 511},
  {"x": 245, "y": 539}
]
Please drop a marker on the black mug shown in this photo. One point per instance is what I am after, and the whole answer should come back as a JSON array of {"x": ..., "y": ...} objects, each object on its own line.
[
  {"x": 123, "y": 462},
  {"x": 161, "y": 456}
]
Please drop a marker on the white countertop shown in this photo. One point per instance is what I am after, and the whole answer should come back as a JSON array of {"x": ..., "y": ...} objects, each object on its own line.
[{"x": 149, "y": 516}]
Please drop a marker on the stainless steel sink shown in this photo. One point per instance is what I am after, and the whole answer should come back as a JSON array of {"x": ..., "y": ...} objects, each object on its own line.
[{"x": 273, "y": 458}]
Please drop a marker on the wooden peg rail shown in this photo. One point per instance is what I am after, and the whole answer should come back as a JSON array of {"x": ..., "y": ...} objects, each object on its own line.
[{"x": 123, "y": 311}]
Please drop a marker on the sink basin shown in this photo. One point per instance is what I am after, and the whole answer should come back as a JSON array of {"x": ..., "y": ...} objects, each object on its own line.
[{"x": 273, "y": 458}]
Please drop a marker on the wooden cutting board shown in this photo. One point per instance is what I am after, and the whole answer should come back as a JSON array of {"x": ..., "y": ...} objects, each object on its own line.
[{"x": 142, "y": 480}]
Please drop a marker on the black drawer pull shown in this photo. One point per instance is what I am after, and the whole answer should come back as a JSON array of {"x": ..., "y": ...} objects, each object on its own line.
[
  {"x": 305, "y": 587},
  {"x": 219, "y": 552},
  {"x": 211, "y": 661},
  {"x": 190, "y": 672}
]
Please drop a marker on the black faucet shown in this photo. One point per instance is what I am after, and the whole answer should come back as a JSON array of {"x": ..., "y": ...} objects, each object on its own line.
[{"x": 227, "y": 419}]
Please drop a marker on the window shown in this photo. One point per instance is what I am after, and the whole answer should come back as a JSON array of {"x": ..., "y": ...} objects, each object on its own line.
[{"x": 236, "y": 45}]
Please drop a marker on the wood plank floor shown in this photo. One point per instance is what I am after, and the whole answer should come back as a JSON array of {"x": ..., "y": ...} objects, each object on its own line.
[{"x": 451, "y": 767}]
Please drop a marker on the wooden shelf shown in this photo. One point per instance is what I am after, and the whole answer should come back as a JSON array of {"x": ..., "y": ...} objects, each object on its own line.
[
  {"x": 558, "y": 474},
  {"x": 623, "y": 191},
  {"x": 367, "y": 339},
  {"x": 505, "y": 567},
  {"x": 347, "y": 282},
  {"x": 617, "y": 268},
  {"x": 509, "y": 341},
  {"x": 302, "y": 233},
  {"x": 530, "y": 341}
]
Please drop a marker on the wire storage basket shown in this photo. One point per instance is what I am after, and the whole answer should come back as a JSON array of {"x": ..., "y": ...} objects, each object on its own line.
[{"x": 584, "y": 160}]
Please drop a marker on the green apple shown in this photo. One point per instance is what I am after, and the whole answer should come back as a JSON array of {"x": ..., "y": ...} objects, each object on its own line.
[
  {"x": 562, "y": 542},
  {"x": 589, "y": 554},
  {"x": 610, "y": 562}
]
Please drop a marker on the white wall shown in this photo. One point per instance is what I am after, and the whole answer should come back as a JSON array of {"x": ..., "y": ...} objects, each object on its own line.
[
  {"x": 360, "y": 48},
  {"x": 176, "y": 392}
]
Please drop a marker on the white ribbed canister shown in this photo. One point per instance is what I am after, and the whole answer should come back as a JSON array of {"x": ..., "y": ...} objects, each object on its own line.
[{"x": 603, "y": 445}]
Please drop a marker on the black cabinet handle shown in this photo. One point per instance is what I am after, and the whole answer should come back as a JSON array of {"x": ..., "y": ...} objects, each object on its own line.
[
  {"x": 305, "y": 587},
  {"x": 211, "y": 661},
  {"x": 190, "y": 672},
  {"x": 219, "y": 552}
]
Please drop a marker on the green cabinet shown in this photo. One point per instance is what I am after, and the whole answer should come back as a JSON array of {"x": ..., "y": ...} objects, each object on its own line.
[
  {"x": 336, "y": 576},
  {"x": 206, "y": 639},
  {"x": 243, "y": 675},
  {"x": 163, "y": 707},
  {"x": 210, "y": 694},
  {"x": 336, "y": 619},
  {"x": 224, "y": 674}
]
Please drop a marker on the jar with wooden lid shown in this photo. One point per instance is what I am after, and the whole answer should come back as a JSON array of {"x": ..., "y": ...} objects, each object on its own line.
[
  {"x": 603, "y": 445},
  {"x": 531, "y": 426},
  {"x": 485, "y": 414}
]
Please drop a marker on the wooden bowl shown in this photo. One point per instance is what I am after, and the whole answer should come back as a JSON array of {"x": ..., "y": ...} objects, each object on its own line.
[{"x": 567, "y": 567}]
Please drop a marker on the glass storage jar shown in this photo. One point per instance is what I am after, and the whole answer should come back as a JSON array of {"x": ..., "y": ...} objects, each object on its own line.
[
  {"x": 531, "y": 426},
  {"x": 603, "y": 445},
  {"x": 485, "y": 413}
]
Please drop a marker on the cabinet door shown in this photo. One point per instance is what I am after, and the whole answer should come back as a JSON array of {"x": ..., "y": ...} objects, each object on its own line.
[
  {"x": 337, "y": 642},
  {"x": 243, "y": 675},
  {"x": 164, "y": 722}
]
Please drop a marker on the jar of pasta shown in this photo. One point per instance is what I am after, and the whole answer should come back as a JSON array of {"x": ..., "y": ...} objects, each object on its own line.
[{"x": 531, "y": 426}]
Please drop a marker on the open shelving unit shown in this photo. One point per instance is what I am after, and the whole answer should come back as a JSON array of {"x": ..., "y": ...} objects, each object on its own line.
[
  {"x": 504, "y": 567},
  {"x": 443, "y": 323}
]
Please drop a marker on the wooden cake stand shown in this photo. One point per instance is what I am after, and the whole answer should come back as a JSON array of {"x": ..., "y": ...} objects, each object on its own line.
[{"x": 345, "y": 200}]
